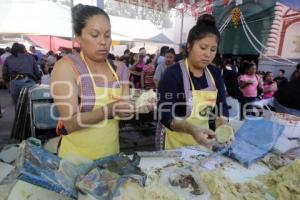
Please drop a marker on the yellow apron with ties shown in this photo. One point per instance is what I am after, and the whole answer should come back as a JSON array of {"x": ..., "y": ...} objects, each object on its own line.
[
  {"x": 202, "y": 102},
  {"x": 101, "y": 139}
]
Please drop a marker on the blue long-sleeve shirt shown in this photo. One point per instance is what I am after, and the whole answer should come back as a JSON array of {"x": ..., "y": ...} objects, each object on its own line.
[{"x": 171, "y": 91}]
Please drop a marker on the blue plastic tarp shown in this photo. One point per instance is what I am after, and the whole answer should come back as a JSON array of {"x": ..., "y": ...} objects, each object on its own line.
[{"x": 254, "y": 140}]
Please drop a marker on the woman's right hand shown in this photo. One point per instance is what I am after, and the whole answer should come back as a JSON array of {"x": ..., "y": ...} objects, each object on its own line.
[
  {"x": 122, "y": 108},
  {"x": 203, "y": 136}
]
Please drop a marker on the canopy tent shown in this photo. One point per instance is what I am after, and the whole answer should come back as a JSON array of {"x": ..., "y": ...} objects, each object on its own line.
[
  {"x": 259, "y": 16},
  {"x": 53, "y": 43},
  {"x": 41, "y": 17}
]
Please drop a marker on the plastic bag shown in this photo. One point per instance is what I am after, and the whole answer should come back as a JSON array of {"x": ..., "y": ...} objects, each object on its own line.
[
  {"x": 105, "y": 180},
  {"x": 254, "y": 140},
  {"x": 40, "y": 167}
]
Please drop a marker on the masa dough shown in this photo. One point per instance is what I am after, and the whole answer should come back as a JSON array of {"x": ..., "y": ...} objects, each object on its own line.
[
  {"x": 284, "y": 183},
  {"x": 224, "y": 133},
  {"x": 145, "y": 97},
  {"x": 221, "y": 188}
]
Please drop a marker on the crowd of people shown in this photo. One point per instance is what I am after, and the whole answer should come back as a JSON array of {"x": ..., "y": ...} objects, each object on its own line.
[{"x": 192, "y": 80}]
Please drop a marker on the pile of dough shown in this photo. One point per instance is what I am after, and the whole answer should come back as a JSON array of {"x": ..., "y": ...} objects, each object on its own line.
[
  {"x": 224, "y": 133},
  {"x": 285, "y": 182},
  {"x": 145, "y": 97},
  {"x": 221, "y": 188}
]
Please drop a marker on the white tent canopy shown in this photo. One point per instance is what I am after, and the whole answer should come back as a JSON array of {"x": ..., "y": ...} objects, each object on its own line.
[{"x": 42, "y": 17}]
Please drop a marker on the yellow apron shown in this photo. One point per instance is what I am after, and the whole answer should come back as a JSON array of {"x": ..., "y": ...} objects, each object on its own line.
[
  {"x": 101, "y": 139},
  {"x": 203, "y": 101}
]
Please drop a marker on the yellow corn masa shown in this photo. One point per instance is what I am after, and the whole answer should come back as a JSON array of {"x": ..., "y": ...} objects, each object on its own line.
[
  {"x": 224, "y": 133},
  {"x": 221, "y": 188},
  {"x": 284, "y": 183}
]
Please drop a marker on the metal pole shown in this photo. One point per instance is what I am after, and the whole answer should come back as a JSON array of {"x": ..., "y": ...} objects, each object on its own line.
[
  {"x": 50, "y": 43},
  {"x": 100, "y": 4},
  {"x": 73, "y": 36},
  {"x": 181, "y": 27}
]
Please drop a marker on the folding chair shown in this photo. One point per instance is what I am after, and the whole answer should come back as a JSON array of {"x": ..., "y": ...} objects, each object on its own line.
[{"x": 43, "y": 114}]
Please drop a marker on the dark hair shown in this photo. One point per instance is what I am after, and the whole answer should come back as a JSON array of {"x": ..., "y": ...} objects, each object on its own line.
[
  {"x": 17, "y": 48},
  {"x": 2, "y": 51},
  {"x": 7, "y": 49},
  {"x": 171, "y": 50},
  {"x": 126, "y": 51},
  {"x": 150, "y": 59},
  {"x": 205, "y": 26},
  {"x": 247, "y": 65},
  {"x": 298, "y": 66},
  {"x": 81, "y": 13},
  {"x": 282, "y": 71},
  {"x": 163, "y": 50},
  {"x": 266, "y": 74},
  {"x": 50, "y": 52}
]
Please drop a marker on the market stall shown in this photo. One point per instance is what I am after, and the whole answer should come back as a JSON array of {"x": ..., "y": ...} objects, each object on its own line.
[{"x": 263, "y": 165}]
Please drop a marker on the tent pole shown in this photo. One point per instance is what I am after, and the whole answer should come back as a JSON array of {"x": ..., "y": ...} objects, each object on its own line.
[
  {"x": 181, "y": 27},
  {"x": 72, "y": 4},
  {"x": 100, "y": 4},
  {"x": 50, "y": 38}
]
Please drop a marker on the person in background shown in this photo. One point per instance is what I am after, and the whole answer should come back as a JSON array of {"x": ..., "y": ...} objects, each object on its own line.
[
  {"x": 269, "y": 86},
  {"x": 39, "y": 55},
  {"x": 126, "y": 57},
  {"x": 136, "y": 72},
  {"x": 297, "y": 71},
  {"x": 111, "y": 56},
  {"x": 6, "y": 54},
  {"x": 47, "y": 69},
  {"x": 250, "y": 83},
  {"x": 76, "y": 50},
  {"x": 148, "y": 73},
  {"x": 89, "y": 123},
  {"x": 251, "y": 86},
  {"x": 281, "y": 80},
  {"x": 161, "y": 57},
  {"x": 133, "y": 59},
  {"x": 20, "y": 70},
  {"x": 190, "y": 90},
  {"x": 169, "y": 60},
  {"x": 287, "y": 98},
  {"x": 182, "y": 53}
]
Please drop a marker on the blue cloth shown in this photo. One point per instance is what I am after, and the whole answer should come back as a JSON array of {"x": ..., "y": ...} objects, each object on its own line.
[
  {"x": 171, "y": 91},
  {"x": 254, "y": 140}
]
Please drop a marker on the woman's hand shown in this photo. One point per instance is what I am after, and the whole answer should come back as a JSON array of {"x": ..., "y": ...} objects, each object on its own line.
[
  {"x": 124, "y": 109},
  {"x": 203, "y": 136}
]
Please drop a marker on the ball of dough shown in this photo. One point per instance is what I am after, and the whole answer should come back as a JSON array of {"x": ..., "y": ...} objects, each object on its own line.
[
  {"x": 224, "y": 133},
  {"x": 145, "y": 97}
]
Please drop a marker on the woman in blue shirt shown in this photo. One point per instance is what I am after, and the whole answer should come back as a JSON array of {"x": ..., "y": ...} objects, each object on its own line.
[{"x": 190, "y": 90}]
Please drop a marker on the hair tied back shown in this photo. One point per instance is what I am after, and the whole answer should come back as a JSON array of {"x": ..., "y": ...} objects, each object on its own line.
[{"x": 207, "y": 20}]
